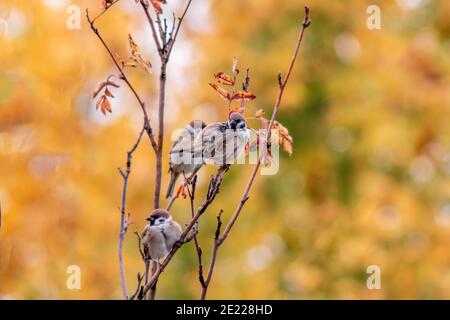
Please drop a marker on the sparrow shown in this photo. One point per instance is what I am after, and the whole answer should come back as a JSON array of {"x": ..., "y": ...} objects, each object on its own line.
[
  {"x": 221, "y": 143},
  {"x": 160, "y": 235},
  {"x": 180, "y": 156}
]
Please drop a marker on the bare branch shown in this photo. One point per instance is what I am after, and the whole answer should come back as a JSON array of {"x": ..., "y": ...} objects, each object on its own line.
[
  {"x": 123, "y": 221},
  {"x": 218, "y": 241},
  {"x": 139, "y": 287},
  {"x": 172, "y": 40},
  {"x": 305, "y": 24},
  {"x": 198, "y": 249},
  {"x": 144, "y": 5},
  {"x": 140, "y": 245},
  {"x": 212, "y": 263}
]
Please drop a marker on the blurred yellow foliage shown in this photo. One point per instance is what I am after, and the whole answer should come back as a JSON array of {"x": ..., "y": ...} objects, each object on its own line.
[{"x": 367, "y": 184}]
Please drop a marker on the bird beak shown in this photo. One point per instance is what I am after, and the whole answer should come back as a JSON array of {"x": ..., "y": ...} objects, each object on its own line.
[{"x": 149, "y": 219}]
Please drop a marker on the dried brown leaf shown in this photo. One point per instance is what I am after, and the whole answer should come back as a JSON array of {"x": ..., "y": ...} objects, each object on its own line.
[
  {"x": 236, "y": 109},
  {"x": 142, "y": 62},
  {"x": 287, "y": 146},
  {"x": 136, "y": 58},
  {"x": 222, "y": 92},
  {"x": 224, "y": 79},
  {"x": 243, "y": 96},
  {"x": 157, "y": 5},
  {"x": 135, "y": 50}
]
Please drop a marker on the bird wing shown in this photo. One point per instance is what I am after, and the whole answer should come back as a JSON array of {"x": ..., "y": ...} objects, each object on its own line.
[
  {"x": 206, "y": 142},
  {"x": 145, "y": 241},
  {"x": 172, "y": 233}
]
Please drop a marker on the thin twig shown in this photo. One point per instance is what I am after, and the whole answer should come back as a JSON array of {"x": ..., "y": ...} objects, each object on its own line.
[
  {"x": 152, "y": 27},
  {"x": 139, "y": 287},
  {"x": 140, "y": 245},
  {"x": 104, "y": 11},
  {"x": 212, "y": 263},
  {"x": 172, "y": 40},
  {"x": 123, "y": 221},
  {"x": 198, "y": 249}
]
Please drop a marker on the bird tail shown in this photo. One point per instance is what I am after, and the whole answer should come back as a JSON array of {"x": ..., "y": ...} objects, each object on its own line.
[{"x": 173, "y": 181}]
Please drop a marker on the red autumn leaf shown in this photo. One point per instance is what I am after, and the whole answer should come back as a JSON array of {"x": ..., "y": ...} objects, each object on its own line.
[
  {"x": 105, "y": 106},
  {"x": 99, "y": 101},
  {"x": 108, "y": 93},
  {"x": 224, "y": 79},
  {"x": 157, "y": 6},
  {"x": 222, "y": 92},
  {"x": 181, "y": 191}
]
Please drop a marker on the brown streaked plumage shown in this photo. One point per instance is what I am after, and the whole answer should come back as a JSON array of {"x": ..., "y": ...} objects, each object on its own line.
[
  {"x": 221, "y": 143},
  {"x": 180, "y": 157},
  {"x": 160, "y": 235}
]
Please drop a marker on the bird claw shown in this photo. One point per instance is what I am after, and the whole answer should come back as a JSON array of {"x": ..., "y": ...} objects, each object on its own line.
[{"x": 178, "y": 244}]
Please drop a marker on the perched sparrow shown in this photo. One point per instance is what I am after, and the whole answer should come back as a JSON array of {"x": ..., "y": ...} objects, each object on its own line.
[
  {"x": 180, "y": 157},
  {"x": 160, "y": 235},
  {"x": 221, "y": 143}
]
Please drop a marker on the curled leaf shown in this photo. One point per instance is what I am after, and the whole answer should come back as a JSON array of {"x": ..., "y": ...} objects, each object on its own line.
[
  {"x": 222, "y": 92},
  {"x": 135, "y": 50},
  {"x": 142, "y": 62},
  {"x": 237, "y": 109},
  {"x": 285, "y": 138},
  {"x": 99, "y": 88},
  {"x": 224, "y": 79},
  {"x": 243, "y": 96},
  {"x": 136, "y": 57},
  {"x": 287, "y": 146}
]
